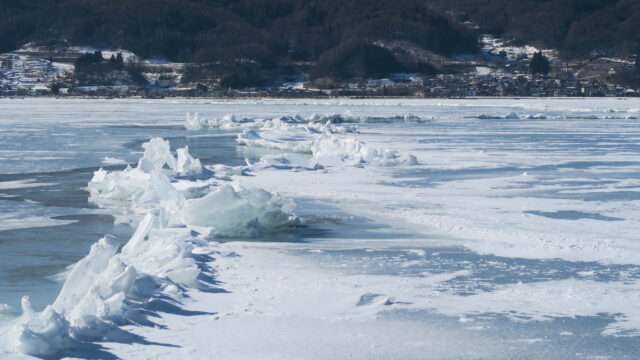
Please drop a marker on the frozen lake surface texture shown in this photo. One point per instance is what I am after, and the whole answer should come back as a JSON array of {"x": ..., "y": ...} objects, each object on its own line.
[{"x": 320, "y": 229}]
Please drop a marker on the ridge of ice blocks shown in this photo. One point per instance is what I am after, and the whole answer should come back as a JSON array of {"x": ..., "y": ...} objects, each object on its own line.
[
  {"x": 290, "y": 138},
  {"x": 346, "y": 117},
  {"x": 186, "y": 164},
  {"x": 409, "y": 118},
  {"x": 229, "y": 211},
  {"x": 510, "y": 116},
  {"x": 113, "y": 283},
  {"x": 135, "y": 190},
  {"x": 157, "y": 155},
  {"x": 298, "y": 140},
  {"x": 146, "y": 186},
  {"x": 325, "y": 145},
  {"x": 167, "y": 253},
  {"x": 103, "y": 287},
  {"x": 193, "y": 122},
  {"x": 286, "y": 162},
  {"x": 354, "y": 150},
  {"x": 39, "y": 334},
  {"x": 234, "y": 122},
  {"x": 234, "y": 211},
  {"x": 96, "y": 287}
]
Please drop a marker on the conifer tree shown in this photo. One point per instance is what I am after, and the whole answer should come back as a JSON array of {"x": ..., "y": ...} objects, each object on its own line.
[{"x": 540, "y": 64}]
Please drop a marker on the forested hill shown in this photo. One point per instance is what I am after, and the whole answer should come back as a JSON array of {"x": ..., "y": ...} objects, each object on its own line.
[
  {"x": 302, "y": 30},
  {"x": 213, "y": 30},
  {"x": 252, "y": 42},
  {"x": 575, "y": 27}
]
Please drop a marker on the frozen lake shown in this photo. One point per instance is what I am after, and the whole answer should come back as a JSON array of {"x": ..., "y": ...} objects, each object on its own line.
[{"x": 514, "y": 236}]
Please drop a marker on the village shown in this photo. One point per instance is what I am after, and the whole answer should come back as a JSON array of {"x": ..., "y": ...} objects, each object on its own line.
[{"x": 498, "y": 71}]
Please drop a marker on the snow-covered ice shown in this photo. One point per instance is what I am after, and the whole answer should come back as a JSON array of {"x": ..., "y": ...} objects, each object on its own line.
[{"x": 358, "y": 235}]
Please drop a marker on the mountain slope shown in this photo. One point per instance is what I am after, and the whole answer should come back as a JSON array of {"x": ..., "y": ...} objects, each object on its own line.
[
  {"x": 212, "y": 30},
  {"x": 575, "y": 27}
]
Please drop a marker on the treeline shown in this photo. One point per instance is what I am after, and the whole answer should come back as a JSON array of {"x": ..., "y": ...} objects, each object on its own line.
[
  {"x": 94, "y": 69},
  {"x": 575, "y": 27},
  {"x": 97, "y": 59},
  {"x": 264, "y": 32}
]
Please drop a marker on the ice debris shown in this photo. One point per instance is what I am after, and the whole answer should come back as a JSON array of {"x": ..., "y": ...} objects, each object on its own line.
[
  {"x": 510, "y": 116},
  {"x": 152, "y": 187},
  {"x": 375, "y": 299},
  {"x": 148, "y": 185},
  {"x": 236, "y": 211},
  {"x": 235, "y": 122}
]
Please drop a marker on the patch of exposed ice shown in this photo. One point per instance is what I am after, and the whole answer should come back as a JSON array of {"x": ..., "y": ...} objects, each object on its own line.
[{"x": 134, "y": 189}]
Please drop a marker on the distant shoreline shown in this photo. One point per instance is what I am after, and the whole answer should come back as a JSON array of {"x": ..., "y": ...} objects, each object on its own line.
[{"x": 323, "y": 97}]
